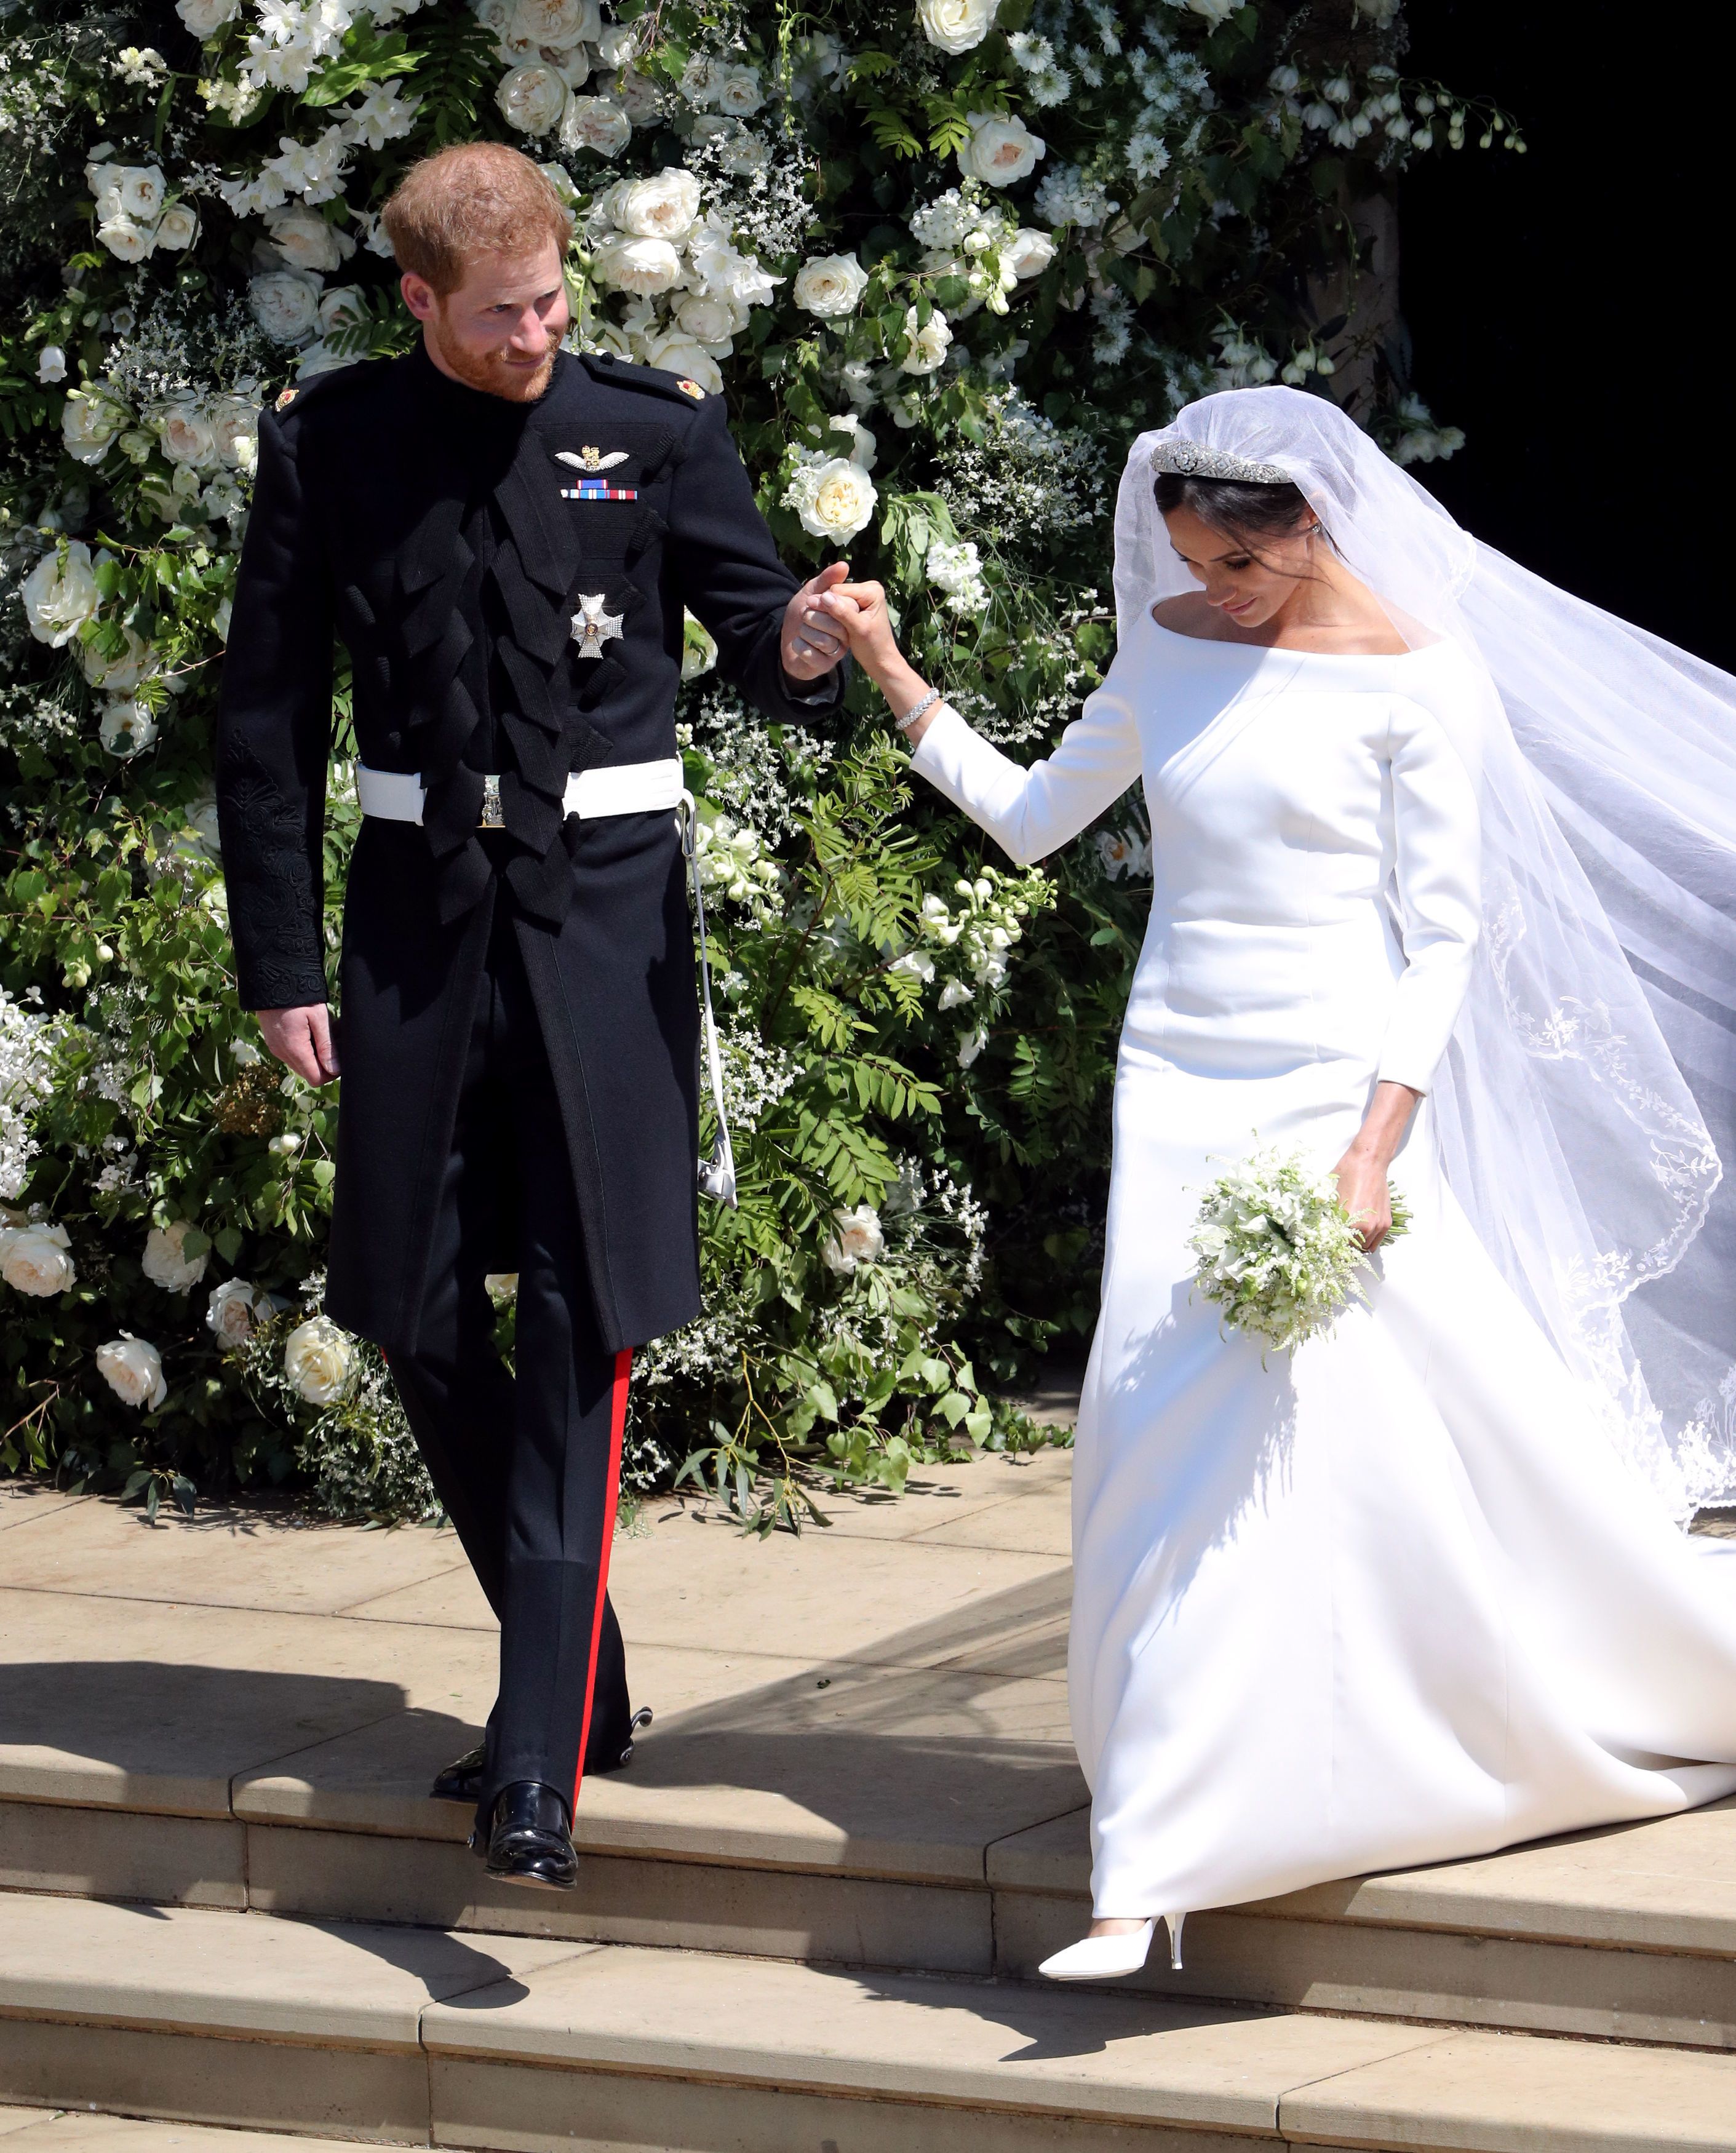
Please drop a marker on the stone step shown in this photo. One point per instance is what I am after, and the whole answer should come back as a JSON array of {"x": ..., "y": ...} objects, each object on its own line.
[
  {"x": 87, "y": 2128},
  {"x": 1627, "y": 1934},
  {"x": 416, "y": 2037}
]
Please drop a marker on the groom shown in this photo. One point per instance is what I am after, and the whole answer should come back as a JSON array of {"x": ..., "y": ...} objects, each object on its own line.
[{"x": 503, "y": 536}]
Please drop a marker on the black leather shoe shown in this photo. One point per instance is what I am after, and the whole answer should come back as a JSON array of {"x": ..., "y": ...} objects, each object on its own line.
[
  {"x": 530, "y": 1840},
  {"x": 462, "y": 1779}
]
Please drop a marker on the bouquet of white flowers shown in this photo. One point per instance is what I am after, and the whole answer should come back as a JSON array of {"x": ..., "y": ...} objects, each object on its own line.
[{"x": 1276, "y": 1249}]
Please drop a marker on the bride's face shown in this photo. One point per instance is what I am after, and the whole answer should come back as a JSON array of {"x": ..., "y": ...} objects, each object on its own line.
[{"x": 1247, "y": 588}]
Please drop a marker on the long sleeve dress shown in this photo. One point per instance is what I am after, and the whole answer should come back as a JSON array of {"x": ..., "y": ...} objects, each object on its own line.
[{"x": 1394, "y": 1597}]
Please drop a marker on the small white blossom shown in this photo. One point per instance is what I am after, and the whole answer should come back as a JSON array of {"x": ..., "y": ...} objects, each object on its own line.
[{"x": 51, "y": 363}]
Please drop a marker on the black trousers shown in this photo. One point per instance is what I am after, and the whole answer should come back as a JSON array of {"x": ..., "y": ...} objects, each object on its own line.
[{"x": 527, "y": 1465}]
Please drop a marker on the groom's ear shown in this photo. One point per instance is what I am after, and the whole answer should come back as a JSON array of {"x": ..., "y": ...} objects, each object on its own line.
[{"x": 419, "y": 296}]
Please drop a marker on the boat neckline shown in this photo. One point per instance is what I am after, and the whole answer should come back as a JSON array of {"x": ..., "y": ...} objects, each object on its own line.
[{"x": 1289, "y": 650}]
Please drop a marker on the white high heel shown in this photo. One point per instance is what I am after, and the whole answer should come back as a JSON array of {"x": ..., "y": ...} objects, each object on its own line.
[{"x": 1103, "y": 1958}]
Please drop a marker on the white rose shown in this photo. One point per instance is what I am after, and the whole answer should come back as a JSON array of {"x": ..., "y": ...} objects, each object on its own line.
[
  {"x": 645, "y": 266},
  {"x": 60, "y": 594},
  {"x": 829, "y": 285},
  {"x": 177, "y": 227},
  {"x": 955, "y": 26},
  {"x": 661, "y": 207},
  {"x": 1001, "y": 150},
  {"x": 186, "y": 434},
  {"x": 235, "y": 430},
  {"x": 857, "y": 1237},
  {"x": 864, "y": 449},
  {"x": 166, "y": 1262},
  {"x": 556, "y": 26},
  {"x": 141, "y": 192},
  {"x": 125, "y": 240},
  {"x": 928, "y": 344},
  {"x": 597, "y": 123},
  {"x": 1028, "y": 252},
  {"x": 89, "y": 422},
  {"x": 319, "y": 1360},
  {"x": 34, "y": 1259},
  {"x": 206, "y": 18},
  {"x": 618, "y": 46},
  {"x": 697, "y": 83},
  {"x": 132, "y": 1369},
  {"x": 304, "y": 239},
  {"x": 127, "y": 728},
  {"x": 677, "y": 353},
  {"x": 120, "y": 675},
  {"x": 710, "y": 318},
  {"x": 285, "y": 302},
  {"x": 51, "y": 363},
  {"x": 532, "y": 98},
  {"x": 737, "y": 90},
  {"x": 230, "y": 1312},
  {"x": 342, "y": 307},
  {"x": 834, "y": 496}
]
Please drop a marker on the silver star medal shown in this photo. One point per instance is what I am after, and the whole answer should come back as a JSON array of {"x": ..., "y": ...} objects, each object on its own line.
[{"x": 592, "y": 627}]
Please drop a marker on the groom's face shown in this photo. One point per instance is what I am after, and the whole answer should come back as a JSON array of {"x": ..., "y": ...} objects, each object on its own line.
[{"x": 500, "y": 329}]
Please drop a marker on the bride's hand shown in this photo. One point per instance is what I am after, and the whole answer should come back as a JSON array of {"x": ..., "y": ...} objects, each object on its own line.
[
  {"x": 860, "y": 609},
  {"x": 1363, "y": 1191}
]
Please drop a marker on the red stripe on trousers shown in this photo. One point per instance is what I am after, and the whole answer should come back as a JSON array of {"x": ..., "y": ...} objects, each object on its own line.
[{"x": 617, "y": 1431}]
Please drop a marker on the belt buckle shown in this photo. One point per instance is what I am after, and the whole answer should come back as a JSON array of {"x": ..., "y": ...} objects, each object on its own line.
[{"x": 491, "y": 818}]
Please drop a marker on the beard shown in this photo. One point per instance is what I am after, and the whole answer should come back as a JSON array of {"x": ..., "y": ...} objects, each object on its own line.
[{"x": 491, "y": 371}]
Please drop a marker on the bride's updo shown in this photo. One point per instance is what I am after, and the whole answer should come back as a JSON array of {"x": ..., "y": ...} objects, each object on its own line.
[{"x": 1254, "y": 513}]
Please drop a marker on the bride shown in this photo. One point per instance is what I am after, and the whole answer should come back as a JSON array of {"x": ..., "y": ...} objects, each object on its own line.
[{"x": 1421, "y": 827}]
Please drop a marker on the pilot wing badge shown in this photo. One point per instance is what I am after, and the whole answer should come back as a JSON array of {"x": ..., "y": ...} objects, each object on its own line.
[{"x": 590, "y": 463}]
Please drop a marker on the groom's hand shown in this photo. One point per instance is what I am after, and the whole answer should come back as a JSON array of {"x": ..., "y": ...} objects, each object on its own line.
[
  {"x": 812, "y": 643},
  {"x": 301, "y": 1039}
]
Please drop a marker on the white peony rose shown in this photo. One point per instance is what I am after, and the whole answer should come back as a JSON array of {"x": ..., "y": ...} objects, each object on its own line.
[
  {"x": 638, "y": 96},
  {"x": 697, "y": 80},
  {"x": 342, "y": 307},
  {"x": 125, "y": 240},
  {"x": 645, "y": 266},
  {"x": 857, "y": 1237},
  {"x": 661, "y": 207},
  {"x": 177, "y": 227},
  {"x": 319, "y": 1360},
  {"x": 928, "y": 344},
  {"x": 597, "y": 123},
  {"x": 737, "y": 90},
  {"x": 166, "y": 1262},
  {"x": 677, "y": 353},
  {"x": 618, "y": 45},
  {"x": 140, "y": 192},
  {"x": 834, "y": 496},
  {"x": 51, "y": 363},
  {"x": 127, "y": 728},
  {"x": 1028, "y": 252},
  {"x": 1001, "y": 148},
  {"x": 304, "y": 239},
  {"x": 185, "y": 435},
  {"x": 532, "y": 98},
  {"x": 285, "y": 302},
  {"x": 36, "y": 1260},
  {"x": 556, "y": 26},
  {"x": 711, "y": 317},
  {"x": 120, "y": 675},
  {"x": 864, "y": 449},
  {"x": 955, "y": 26},
  {"x": 60, "y": 594},
  {"x": 132, "y": 1369},
  {"x": 231, "y": 1311},
  {"x": 235, "y": 430},
  {"x": 89, "y": 422},
  {"x": 830, "y": 285},
  {"x": 206, "y": 18}
]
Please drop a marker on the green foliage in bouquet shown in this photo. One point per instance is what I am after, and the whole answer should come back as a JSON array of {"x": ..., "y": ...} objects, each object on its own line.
[
  {"x": 943, "y": 260},
  {"x": 1277, "y": 1250}
]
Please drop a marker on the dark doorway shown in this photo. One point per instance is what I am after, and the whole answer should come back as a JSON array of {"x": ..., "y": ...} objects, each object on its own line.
[{"x": 1563, "y": 305}]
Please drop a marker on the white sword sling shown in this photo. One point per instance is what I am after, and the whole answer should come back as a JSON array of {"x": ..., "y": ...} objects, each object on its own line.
[{"x": 632, "y": 788}]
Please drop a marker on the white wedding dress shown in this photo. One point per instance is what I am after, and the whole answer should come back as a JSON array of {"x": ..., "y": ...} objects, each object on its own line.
[{"x": 1393, "y": 1598}]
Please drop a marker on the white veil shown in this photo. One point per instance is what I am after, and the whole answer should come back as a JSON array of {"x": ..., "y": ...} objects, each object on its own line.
[{"x": 1591, "y": 1084}]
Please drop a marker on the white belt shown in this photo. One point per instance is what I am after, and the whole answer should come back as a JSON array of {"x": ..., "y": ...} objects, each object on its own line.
[{"x": 631, "y": 788}]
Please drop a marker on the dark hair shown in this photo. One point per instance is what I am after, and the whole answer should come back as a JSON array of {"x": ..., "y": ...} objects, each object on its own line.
[{"x": 1253, "y": 513}]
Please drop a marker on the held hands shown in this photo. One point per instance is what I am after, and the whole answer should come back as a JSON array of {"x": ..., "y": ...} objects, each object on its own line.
[
  {"x": 813, "y": 641},
  {"x": 301, "y": 1039}
]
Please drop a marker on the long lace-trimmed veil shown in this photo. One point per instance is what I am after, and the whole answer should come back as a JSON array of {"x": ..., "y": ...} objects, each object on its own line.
[{"x": 1590, "y": 1088}]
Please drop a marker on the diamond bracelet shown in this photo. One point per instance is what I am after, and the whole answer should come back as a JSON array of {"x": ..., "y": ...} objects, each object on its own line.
[{"x": 916, "y": 710}]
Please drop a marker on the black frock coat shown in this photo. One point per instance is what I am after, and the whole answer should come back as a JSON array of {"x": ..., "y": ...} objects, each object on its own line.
[{"x": 434, "y": 530}]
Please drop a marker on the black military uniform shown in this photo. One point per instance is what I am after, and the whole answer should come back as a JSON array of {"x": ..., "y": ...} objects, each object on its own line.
[{"x": 518, "y": 1018}]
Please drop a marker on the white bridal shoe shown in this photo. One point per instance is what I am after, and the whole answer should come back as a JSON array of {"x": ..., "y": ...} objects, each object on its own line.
[{"x": 1102, "y": 1958}]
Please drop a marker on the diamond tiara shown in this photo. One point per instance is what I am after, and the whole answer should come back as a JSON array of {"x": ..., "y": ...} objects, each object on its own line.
[{"x": 1194, "y": 460}]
